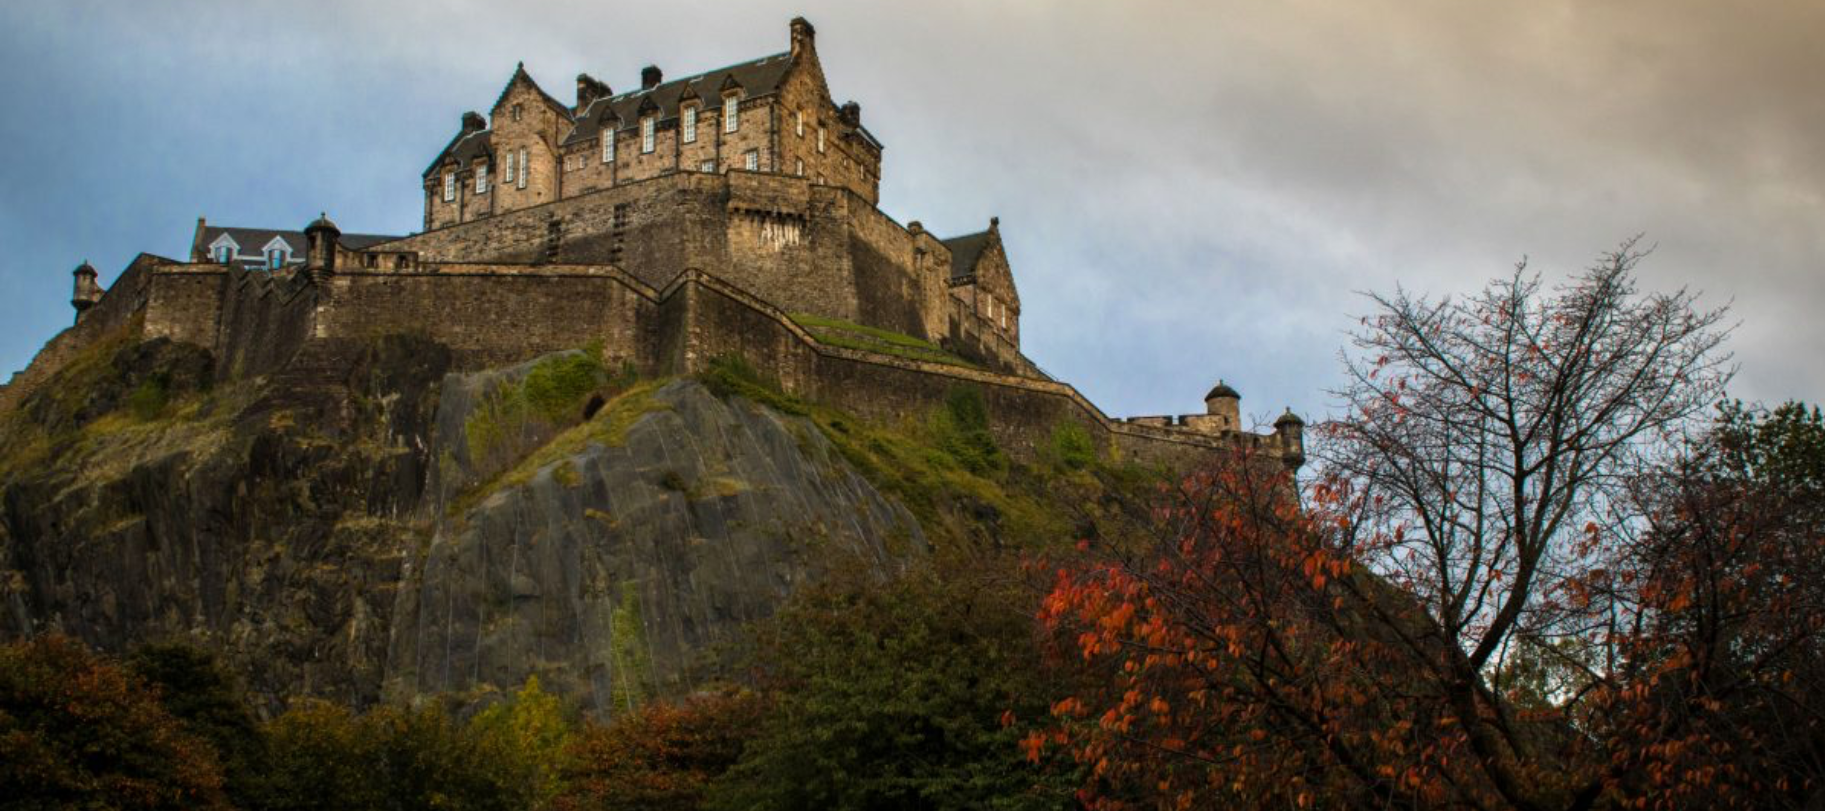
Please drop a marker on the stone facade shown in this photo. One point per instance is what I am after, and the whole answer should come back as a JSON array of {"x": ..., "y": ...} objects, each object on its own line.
[{"x": 538, "y": 238}]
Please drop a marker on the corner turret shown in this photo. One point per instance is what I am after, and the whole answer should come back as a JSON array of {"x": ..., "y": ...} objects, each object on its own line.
[
  {"x": 1291, "y": 432},
  {"x": 88, "y": 291},
  {"x": 320, "y": 239}
]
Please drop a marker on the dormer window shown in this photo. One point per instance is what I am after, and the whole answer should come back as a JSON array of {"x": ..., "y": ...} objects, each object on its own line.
[
  {"x": 481, "y": 179},
  {"x": 608, "y": 144},
  {"x": 648, "y": 135},
  {"x": 525, "y": 169},
  {"x": 223, "y": 253},
  {"x": 731, "y": 112},
  {"x": 449, "y": 186},
  {"x": 689, "y": 123},
  {"x": 277, "y": 253},
  {"x": 224, "y": 249}
]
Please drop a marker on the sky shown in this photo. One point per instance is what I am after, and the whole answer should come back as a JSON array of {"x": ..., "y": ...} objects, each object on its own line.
[{"x": 1187, "y": 190}]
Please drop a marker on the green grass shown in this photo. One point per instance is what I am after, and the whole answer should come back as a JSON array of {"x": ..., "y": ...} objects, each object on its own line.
[
  {"x": 608, "y": 427},
  {"x": 849, "y": 335},
  {"x": 945, "y": 468}
]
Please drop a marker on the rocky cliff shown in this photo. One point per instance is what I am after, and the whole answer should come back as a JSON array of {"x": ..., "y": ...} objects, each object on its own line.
[{"x": 368, "y": 524}]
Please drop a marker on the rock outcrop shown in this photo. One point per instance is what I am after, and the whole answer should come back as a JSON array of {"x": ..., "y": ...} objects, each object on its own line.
[{"x": 366, "y": 525}]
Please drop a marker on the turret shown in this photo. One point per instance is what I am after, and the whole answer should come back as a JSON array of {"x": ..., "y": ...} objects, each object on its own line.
[
  {"x": 1290, "y": 430},
  {"x": 1225, "y": 404},
  {"x": 88, "y": 291},
  {"x": 320, "y": 240}
]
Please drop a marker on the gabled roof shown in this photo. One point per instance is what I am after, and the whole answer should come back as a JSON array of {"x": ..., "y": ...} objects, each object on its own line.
[
  {"x": 465, "y": 147},
  {"x": 759, "y": 77},
  {"x": 252, "y": 242},
  {"x": 966, "y": 251},
  {"x": 520, "y": 75}
]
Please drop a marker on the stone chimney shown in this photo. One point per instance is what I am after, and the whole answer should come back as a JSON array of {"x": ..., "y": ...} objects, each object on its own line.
[
  {"x": 474, "y": 122},
  {"x": 88, "y": 291},
  {"x": 851, "y": 114},
  {"x": 320, "y": 241},
  {"x": 588, "y": 90},
  {"x": 804, "y": 37},
  {"x": 650, "y": 77}
]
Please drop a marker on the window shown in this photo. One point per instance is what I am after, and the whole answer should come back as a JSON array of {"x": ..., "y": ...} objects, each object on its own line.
[
  {"x": 798, "y": 167},
  {"x": 449, "y": 186},
  {"x": 481, "y": 179},
  {"x": 516, "y": 112},
  {"x": 275, "y": 259},
  {"x": 798, "y": 122},
  {"x": 751, "y": 160},
  {"x": 820, "y": 139},
  {"x": 731, "y": 112},
  {"x": 690, "y": 123},
  {"x": 223, "y": 253},
  {"x": 608, "y": 144},
  {"x": 525, "y": 168},
  {"x": 707, "y": 166},
  {"x": 509, "y": 166},
  {"x": 648, "y": 137}
]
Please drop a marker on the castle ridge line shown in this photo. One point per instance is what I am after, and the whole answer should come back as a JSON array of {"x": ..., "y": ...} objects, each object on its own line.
[{"x": 544, "y": 236}]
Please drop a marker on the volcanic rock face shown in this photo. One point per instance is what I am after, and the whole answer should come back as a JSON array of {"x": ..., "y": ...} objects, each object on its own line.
[{"x": 349, "y": 529}]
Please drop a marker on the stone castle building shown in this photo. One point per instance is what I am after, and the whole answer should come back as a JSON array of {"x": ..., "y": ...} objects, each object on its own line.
[{"x": 729, "y": 213}]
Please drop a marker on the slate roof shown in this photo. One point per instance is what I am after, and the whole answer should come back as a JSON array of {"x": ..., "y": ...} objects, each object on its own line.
[
  {"x": 758, "y": 77},
  {"x": 253, "y": 242},
  {"x": 966, "y": 250}
]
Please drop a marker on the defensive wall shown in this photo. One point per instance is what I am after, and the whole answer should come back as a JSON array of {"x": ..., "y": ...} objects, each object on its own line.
[{"x": 496, "y": 313}]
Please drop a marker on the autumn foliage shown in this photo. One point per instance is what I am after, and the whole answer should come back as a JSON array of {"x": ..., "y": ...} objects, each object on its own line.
[{"x": 1528, "y": 574}]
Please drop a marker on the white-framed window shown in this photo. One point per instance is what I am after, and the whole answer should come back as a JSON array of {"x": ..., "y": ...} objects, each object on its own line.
[
  {"x": 449, "y": 186},
  {"x": 708, "y": 166},
  {"x": 798, "y": 167},
  {"x": 223, "y": 253},
  {"x": 608, "y": 144},
  {"x": 690, "y": 123},
  {"x": 731, "y": 112},
  {"x": 751, "y": 160},
  {"x": 798, "y": 122},
  {"x": 275, "y": 259},
  {"x": 481, "y": 179},
  {"x": 509, "y": 175},
  {"x": 525, "y": 169},
  {"x": 649, "y": 136},
  {"x": 820, "y": 139}
]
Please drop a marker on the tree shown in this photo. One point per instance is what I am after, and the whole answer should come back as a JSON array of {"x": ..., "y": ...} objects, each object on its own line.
[
  {"x": 204, "y": 697},
  {"x": 1476, "y": 606},
  {"x": 912, "y": 693},
  {"x": 79, "y": 732},
  {"x": 661, "y": 757},
  {"x": 533, "y": 732}
]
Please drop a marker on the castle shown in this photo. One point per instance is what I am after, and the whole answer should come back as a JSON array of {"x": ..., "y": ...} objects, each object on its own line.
[{"x": 729, "y": 213}]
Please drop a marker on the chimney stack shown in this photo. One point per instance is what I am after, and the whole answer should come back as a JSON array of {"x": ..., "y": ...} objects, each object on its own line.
[
  {"x": 804, "y": 37},
  {"x": 473, "y": 122},
  {"x": 588, "y": 90},
  {"x": 852, "y": 114},
  {"x": 650, "y": 77}
]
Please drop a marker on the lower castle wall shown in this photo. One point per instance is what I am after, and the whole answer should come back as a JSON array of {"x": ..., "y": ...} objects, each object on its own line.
[
  {"x": 124, "y": 300},
  {"x": 265, "y": 318}
]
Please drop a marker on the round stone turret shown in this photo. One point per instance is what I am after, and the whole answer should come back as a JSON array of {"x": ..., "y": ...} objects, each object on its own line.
[
  {"x": 1291, "y": 432},
  {"x": 1225, "y": 404},
  {"x": 320, "y": 240},
  {"x": 88, "y": 290}
]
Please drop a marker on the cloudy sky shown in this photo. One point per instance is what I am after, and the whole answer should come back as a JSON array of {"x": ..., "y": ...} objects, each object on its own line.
[{"x": 1188, "y": 190}]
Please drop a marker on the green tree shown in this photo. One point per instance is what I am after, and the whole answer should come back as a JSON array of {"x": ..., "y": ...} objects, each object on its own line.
[
  {"x": 77, "y": 731},
  {"x": 660, "y": 757},
  {"x": 194, "y": 687},
  {"x": 908, "y": 694},
  {"x": 530, "y": 734}
]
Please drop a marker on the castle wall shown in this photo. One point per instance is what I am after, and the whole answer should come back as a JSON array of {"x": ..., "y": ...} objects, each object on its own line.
[
  {"x": 119, "y": 306},
  {"x": 264, "y": 320},
  {"x": 491, "y": 315},
  {"x": 184, "y": 303}
]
